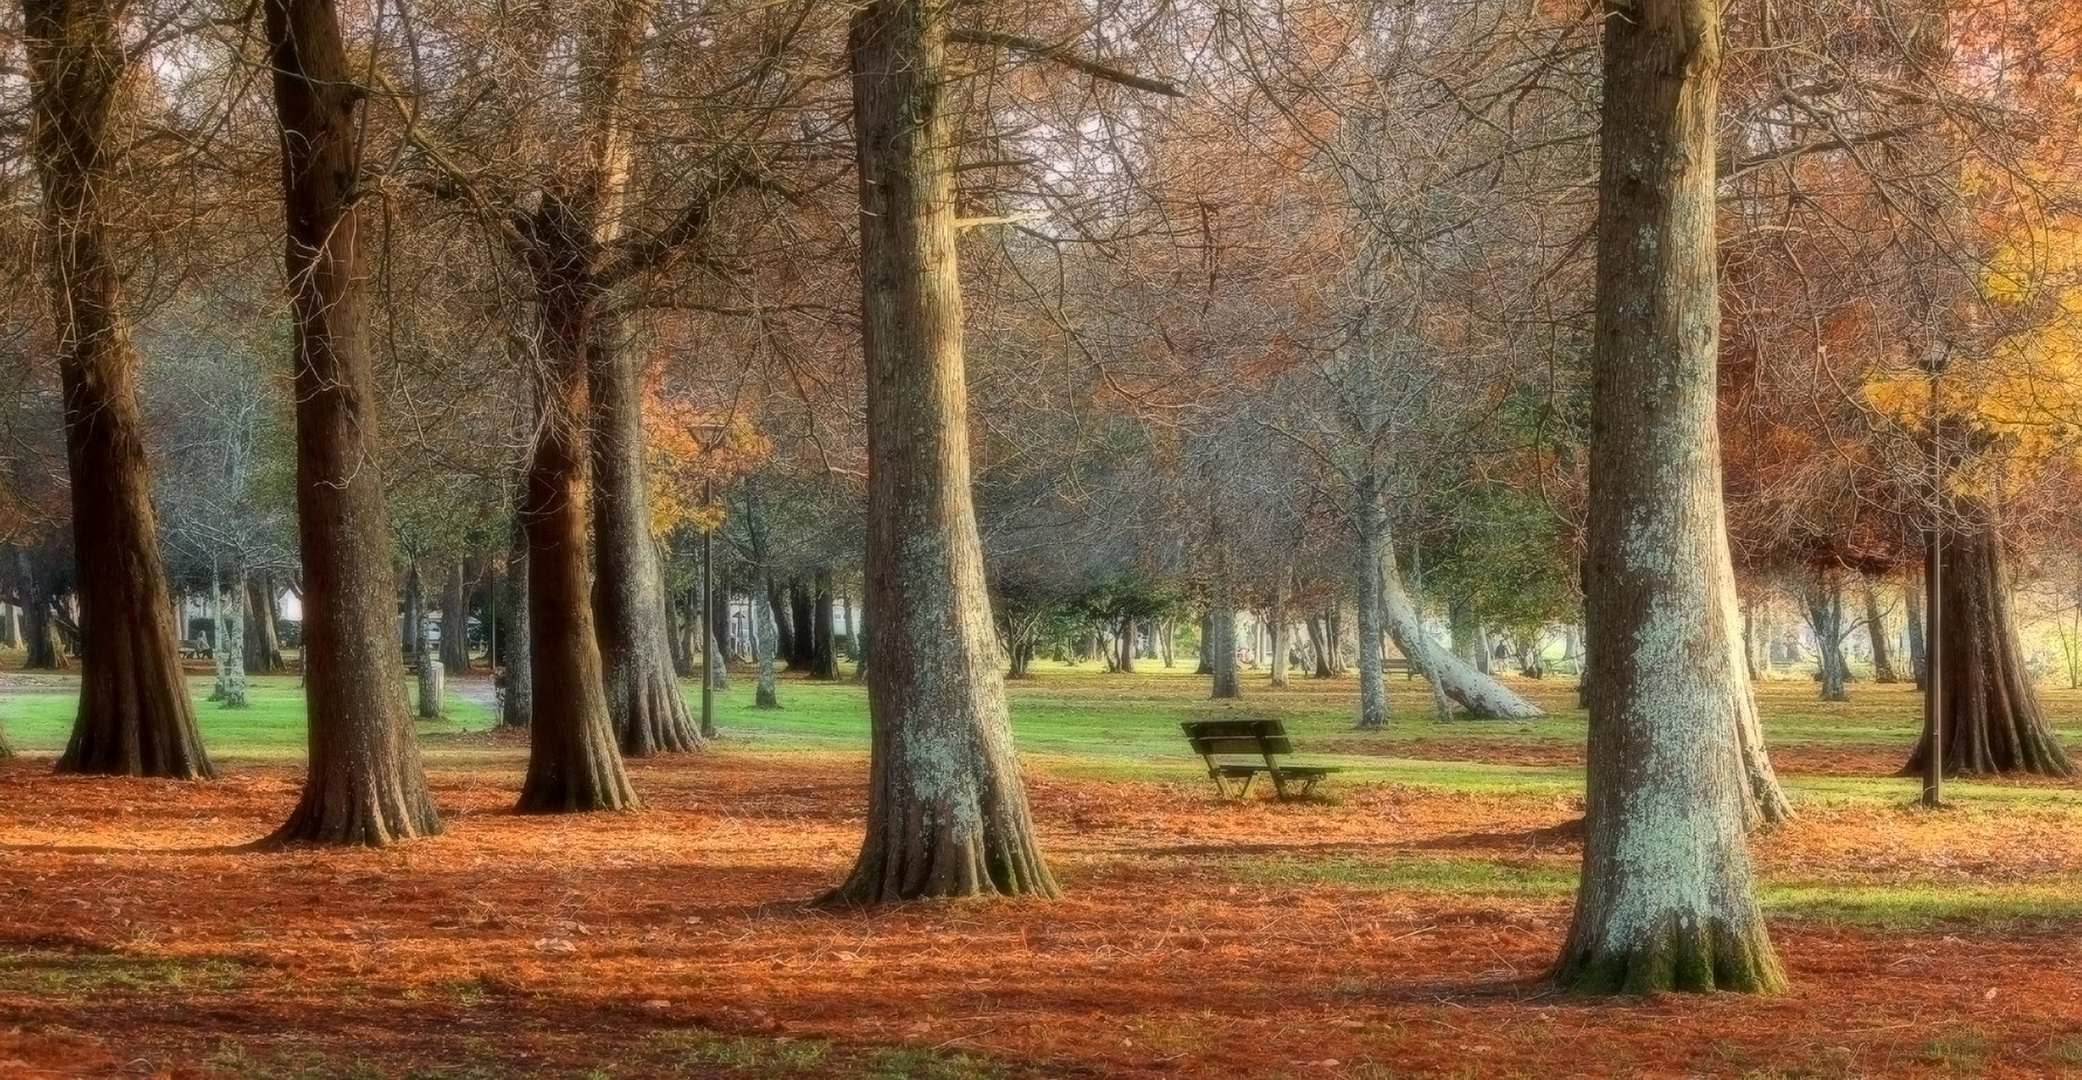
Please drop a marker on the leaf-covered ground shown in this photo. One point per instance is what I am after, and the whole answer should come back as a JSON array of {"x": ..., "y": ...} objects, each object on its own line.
[{"x": 1399, "y": 929}]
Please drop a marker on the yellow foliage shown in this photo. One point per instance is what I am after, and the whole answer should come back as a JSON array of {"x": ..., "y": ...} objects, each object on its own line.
[
  {"x": 2019, "y": 407},
  {"x": 688, "y": 448}
]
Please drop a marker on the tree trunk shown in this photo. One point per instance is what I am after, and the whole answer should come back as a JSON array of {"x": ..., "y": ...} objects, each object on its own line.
[
  {"x": 783, "y": 615},
  {"x": 1483, "y": 697},
  {"x": 1824, "y": 600},
  {"x": 231, "y": 623},
  {"x": 455, "y": 621},
  {"x": 1367, "y": 552},
  {"x": 803, "y": 616},
  {"x": 1665, "y": 901},
  {"x": 574, "y": 763},
  {"x": 642, "y": 686},
  {"x": 11, "y": 627},
  {"x": 134, "y": 716},
  {"x": 365, "y": 784},
  {"x": 764, "y": 639},
  {"x": 1282, "y": 629},
  {"x": 1876, "y": 629},
  {"x": 1334, "y": 632},
  {"x": 517, "y": 674},
  {"x": 433, "y": 685},
  {"x": 412, "y": 633},
  {"x": 1993, "y": 722},
  {"x": 1124, "y": 646},
  {"x": 1912, "y": 601},
  {"x": 824, "y": 662},
  {"x": 1750, "y": 642},
  {"x": 45, "y": 652},
  {"x": 947, "y": 810},
  {"x": 1318, "y": 648},
  {"x": 1167, "y": 642},
  {"x": 263, "y": 638},
  {"x": 1221, "y": 641},
  {"x": 1206, "y": 664}
]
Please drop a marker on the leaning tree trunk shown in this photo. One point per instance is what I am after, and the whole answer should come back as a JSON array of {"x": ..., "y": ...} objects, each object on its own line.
[
  {"x": 365, "y": 784},
  {"x": 1993, "y": 722},
  {"x": 1665, "y": 900},
  {"x": 947, "y": 810},
  {"x": 1876, "y": 629},
  {"x": 642, "y": 686},
  {"x": 1482, "y": 696},
  {"x": 134, "y": 716}
]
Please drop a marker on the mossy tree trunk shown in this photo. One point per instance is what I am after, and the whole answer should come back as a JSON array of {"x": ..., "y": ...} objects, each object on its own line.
[
  {"x": 1666, "y": 900},
  {"x": 947, "y": 809},
  {"x": 134, "y": 716},
  {"x": 365, "y": 785},
  {"x": 1993, "y": 720}
]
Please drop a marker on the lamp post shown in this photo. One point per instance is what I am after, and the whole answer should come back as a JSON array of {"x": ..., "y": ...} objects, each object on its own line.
[
  {"x": 1933, "y": 609},
  {"x": 710, "y": 437}
]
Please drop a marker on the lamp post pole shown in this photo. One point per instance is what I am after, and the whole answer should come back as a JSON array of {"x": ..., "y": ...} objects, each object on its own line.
[{"x": 708, "y": 611}]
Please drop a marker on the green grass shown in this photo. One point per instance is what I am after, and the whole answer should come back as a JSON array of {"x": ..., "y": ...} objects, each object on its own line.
[
  {"x": 270, "y": 727},
  {"x": 86, "y": 975}
]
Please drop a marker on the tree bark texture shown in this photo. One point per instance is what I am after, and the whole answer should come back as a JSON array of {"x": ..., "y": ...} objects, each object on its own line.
[
  {"x": 365, "y": 783},
  {"x": 641, "y": 683},
  {"x": 765, "y": 638},
  {"x": 135, "y": 718},
  {"x": 1993, "y": 721},
  {"x": 947, "y": 808},
  {"x": 1665, "y": 900},
  {"x": 824, "y": 663}
]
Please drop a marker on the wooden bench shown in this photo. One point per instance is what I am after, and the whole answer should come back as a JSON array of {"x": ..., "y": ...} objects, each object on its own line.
[
  {"x": 1398, "y": 665},
  {"x": 196, "y": 649},
  {"x": 1264, "y": 739}
]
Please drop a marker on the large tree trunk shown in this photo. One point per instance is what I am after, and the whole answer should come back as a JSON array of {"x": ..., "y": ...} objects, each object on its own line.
[
  {"x": 455, "y": 620},
  {"x": 1993, "y": 722},
  {"x": 573, "y": 760},
  {"x": 134, "y": 716},
  {"x": 784, "y": 620},
  {"x": 365, "y": 784},
  {"x": 45, "y": 651},
  {"x": 1482, "y": 696},
  {"x": 642, "y": 686},
  {"x": 1665, "y": 901},
  {"x": 947, "y": 810}
]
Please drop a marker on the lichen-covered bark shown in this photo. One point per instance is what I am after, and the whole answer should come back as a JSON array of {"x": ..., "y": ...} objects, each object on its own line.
[
  {"x": 365, "y": 784},
  {"x": 1483, "y": 697},
  {"x": 134, "y": 716},
  {"x": 947, "y": 810},
  {"x": 1665, "y": 901},
  {"x": 1993, "y": 721}
]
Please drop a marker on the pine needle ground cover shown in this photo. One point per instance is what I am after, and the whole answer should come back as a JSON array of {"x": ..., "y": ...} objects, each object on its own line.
[{"x": 1397, "y": 927}]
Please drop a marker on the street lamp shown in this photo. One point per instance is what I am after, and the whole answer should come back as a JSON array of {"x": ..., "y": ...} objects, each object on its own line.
[{"x": 710, "y": 436}]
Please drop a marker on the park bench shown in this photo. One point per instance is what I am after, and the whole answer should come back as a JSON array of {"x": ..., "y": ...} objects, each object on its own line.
[
  {"x": 195, "y": 649},
  {"x": 1398, "y": 665},
  {"x": 1264, "y": 739}
]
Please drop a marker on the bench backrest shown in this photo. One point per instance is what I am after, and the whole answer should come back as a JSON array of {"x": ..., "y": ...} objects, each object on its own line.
[{"x": 1211, "y": 737}]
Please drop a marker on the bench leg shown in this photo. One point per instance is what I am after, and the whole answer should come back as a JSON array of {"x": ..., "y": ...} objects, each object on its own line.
[{"x": 1245, "y": 788}]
